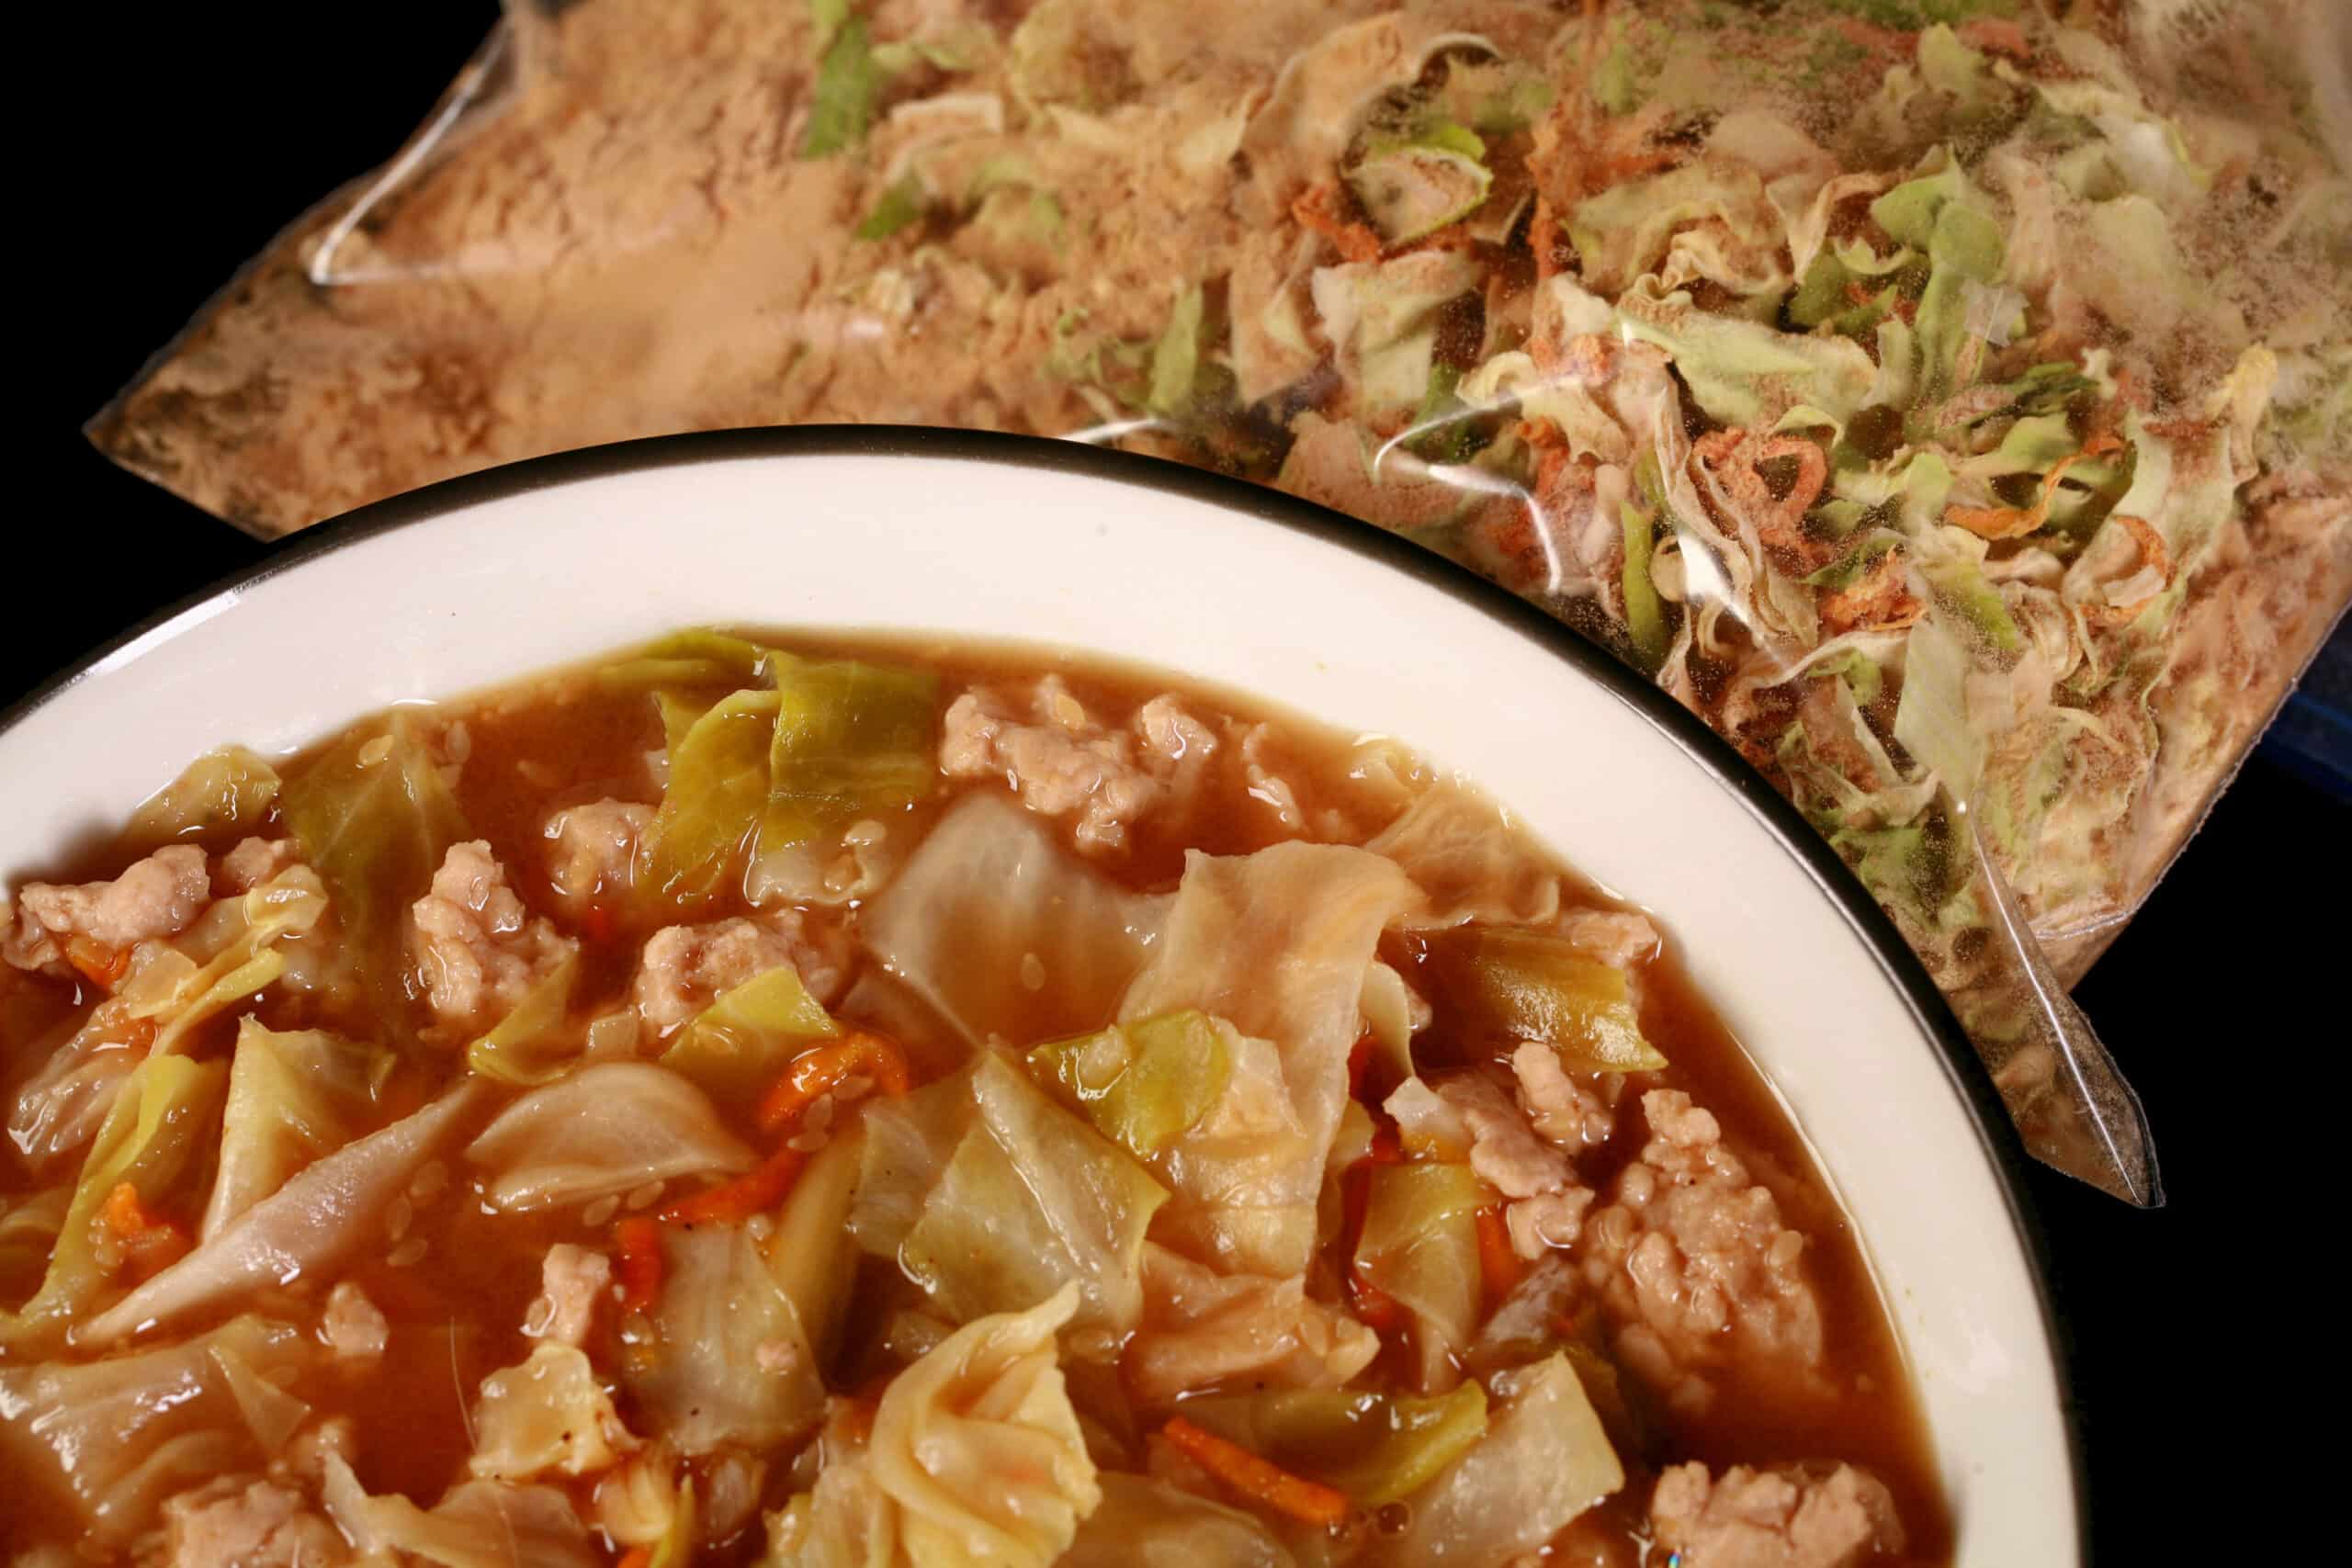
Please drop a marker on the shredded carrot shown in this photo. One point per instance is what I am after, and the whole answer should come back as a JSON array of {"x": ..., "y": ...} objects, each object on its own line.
[
  {"x": 151, "y": 1243},
  {"x": 101, "y": 965},
  {"x": 638, "y": 1242},
  {"x": 126, "y": 1215},
  {"x": 1375, "y": 1308},
  {"x": 1385, "y": 1148},
  {"x": 755, "y": 1192},
  {"x": 1498, "y": 1262},
  {"x": 1306, "y": 1501},
  {"x": 816, "y": 1073},
  {"x": 636, "y": 1557}
]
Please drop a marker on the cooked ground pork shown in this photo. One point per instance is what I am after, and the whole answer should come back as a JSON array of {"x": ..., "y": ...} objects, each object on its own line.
[
  {"x": 1618, "y": 938},
  {"x": 252, "y": 863},
  {"x": 1548, "y": 1202},
  {"x": 1556, "y": 1105},
  {"x": 255, "y": 1525},
  {"x": 1692, "y": 1254},
  {"x": 352, "y": 1325},
  {"x": 685, "y": 968},
  {"x": 158, "y": 897},
  {"x": 1773, "y": 1518},
  {"x": 478, "y": 950},
  {"x": 572, "y": 1279},
  {"x": 1066, "y": 764},
  {"x": 591, "y": 848}
]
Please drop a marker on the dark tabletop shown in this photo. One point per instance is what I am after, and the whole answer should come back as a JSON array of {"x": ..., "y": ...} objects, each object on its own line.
[{"x": 2189, "y": 1325}]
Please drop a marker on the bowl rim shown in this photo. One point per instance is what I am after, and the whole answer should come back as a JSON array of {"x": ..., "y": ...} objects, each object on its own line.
[{"x": 1997, "y": 1135}]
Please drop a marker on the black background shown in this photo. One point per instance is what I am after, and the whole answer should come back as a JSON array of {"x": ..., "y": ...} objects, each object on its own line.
[{"x": 199, "y": 132}]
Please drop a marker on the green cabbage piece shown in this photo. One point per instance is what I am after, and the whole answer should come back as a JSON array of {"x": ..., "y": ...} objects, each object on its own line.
[
  {"x": 1626, "y": 230},
  {"x": 812, "y": 1252},
  {"x": 529, "y": 1044},
  {"x": 1743, "y": 372},
  {"x": 1377, "y": 1447},
  {"x": 222, "y": 796},
  {"x": 1932, "y": 716},
  {"x": 600, "y": 1131},
  {"x": 293, "y": 1098},
  {"x": 374, "y": 817},
  {"x": 736, "y": 1047},
  {"x": 482, "y": 1524},
  {"x": 848, "y": 87},
  {"x": 716, "y": 795},
  {"x": 1416, "y": 183},
  {"x": 1144, "y": 1084},
  {"x": 720, "y": 1303},
  {"x": 316, "y": 1221},
  {"x": 158, "y": 1137},
  {"x": 1512, "y": 983},
  {"x": 1644, "y": 611},
  {"x": 1145, "y": 1523},
  {"x": 1420, "y": 1247},
  {"x": 694, "y": 657},
  {"x": 1176, "y": 358},
  {"x": 852, "y": 739},
  {"x": 112, "y": 1439},
  {"x": 903, "y": 203},
  {"x": 1032, "y": 1199},
  {"x": 1938, "y": 214},
  {"x": 1545, "y": 1459}
]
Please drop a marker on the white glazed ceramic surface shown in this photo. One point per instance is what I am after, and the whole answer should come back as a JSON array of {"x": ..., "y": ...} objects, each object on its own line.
[{"x": 502, "y": 577}]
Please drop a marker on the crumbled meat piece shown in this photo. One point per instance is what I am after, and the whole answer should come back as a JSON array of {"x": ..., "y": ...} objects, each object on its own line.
[
  {"x": 1774, "y": 1518},
  {"x": 1267, "y": 786},
  {"x": 305, "y": 1457},
  {"x": 1695, "y": 1254},
  {"x": 1618, "y": 938},
  {"x": 1547, "y": 1201},
  {"x": 1546, "y": 1220},
  {"x": 591, "y": 848},
  {"x": 572, "y": 1279},
  {"x": 252, "y": 863},
  {"x": 157, "y": 897},
  {"x": 1504, "y": 1150},
  {"x": 1427, "y": 1122},
  {"x": 685, "y": 968},
  {"x": 1556, "y": 1105},
  {"x": 1066, "y": 764},
  {"x": 261, "y": 1524},
  {"x": 479, "y": 951},
  {"x": 352, "y": 1325}
]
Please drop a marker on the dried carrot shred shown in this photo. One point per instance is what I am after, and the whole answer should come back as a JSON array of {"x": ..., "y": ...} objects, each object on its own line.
[
  {"x": 1306, "y": 1501},
  {"x": 2013, "y": 522},
  {"x": 636, "y": 1557},
  {"x": 637, "y": 1244},
  {"x": 816, "y": 1073},
  {"x": 1321, "y": 210}
]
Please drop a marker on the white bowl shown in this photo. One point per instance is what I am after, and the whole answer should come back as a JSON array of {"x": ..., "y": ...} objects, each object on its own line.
[{"x": 473, "y": 582}]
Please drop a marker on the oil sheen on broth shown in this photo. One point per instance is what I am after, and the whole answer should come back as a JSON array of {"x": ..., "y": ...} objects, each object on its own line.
[{"x": 900, "y": 1102}]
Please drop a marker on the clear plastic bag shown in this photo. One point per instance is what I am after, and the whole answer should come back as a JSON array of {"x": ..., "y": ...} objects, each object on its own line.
[{"x": 1950, "y": 400}]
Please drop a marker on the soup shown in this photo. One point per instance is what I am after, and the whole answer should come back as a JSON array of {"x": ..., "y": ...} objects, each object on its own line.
[{"x": 758, "y": 1101}]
